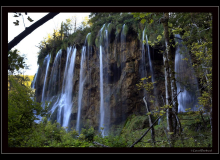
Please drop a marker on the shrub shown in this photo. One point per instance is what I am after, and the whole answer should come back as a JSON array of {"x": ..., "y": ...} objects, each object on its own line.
[{"x": 89, "y": 133}]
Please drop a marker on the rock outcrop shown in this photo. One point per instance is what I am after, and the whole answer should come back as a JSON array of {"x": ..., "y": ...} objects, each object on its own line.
[{"x": 122, "y": 97}]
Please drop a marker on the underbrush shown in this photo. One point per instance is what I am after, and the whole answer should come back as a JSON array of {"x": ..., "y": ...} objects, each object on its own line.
[
  {"x": 46, "y": 134},
  {"x": 194, "y": 134}
]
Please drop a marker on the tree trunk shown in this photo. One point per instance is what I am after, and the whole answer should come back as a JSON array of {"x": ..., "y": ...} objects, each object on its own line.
[
  {"x": 167, "y": 61},
  {"x": 150, "y": 122},
  {"x": 173, "y": 82},
  {"x": 30, "y": 29}
]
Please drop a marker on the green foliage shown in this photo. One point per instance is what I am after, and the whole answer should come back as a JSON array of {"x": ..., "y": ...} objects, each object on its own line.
[
  {"x": 118, "y": 29},
  {"x": 110, "y": 27},
  {"x": 196, "y": 31},
  {"x": 61, "y": 39},
  {"x": 144, "y": 83},
  {"x": 111, "y": 141},
  {"x": 134, "y": 123},
  {"x": 153, "y": 29},
  {"x": 21, "y": 109},
  {"x": 90, "y": 39},
  {"x": 113, "y": 20},
  {"x": 89, "y": 133},
  {"x": 46, "y": 134},
  {"x": 23, "y": 80},
  {"x": 15, "y": 61},
  {"x": 193, "y": 133}
]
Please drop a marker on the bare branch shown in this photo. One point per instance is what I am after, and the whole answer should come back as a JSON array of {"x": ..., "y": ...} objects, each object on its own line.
[
  {"x": 152, "y": 125},
  {"x": 30, "y": 29},
  {"x": 150, "y": 121},
  {"x": 145, "y": 132}
]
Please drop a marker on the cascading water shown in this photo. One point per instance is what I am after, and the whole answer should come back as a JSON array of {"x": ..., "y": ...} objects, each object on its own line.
[
  {"x": 34, "y": 80},
  {"x": 102, "y": 112},
  {"x": 142, "y": 68},
  {"x": 104, "y": 104},
  {"x": 185, "y": 78},
  {"x": 123, "y": 42},
  {"x": 64, "y": 102},
  {"x": 66, "y": 96},
  {"x": 89, "y": 51},
  {"x": 33, "y": 85},
  {"x": 62, "y": 108},
  {"x": 149, "y": 58},
  {"x": 47, "y": 61},
  {"x": 151, "y": 71},
  {"x": 54, "y": 82},
  {"x": 81, "y": 85}
]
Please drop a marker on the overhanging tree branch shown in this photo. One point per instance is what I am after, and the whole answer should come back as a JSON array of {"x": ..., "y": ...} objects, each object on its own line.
[
  {"x": 152, "y": 124},
  {"x": 30, "y": 29}
]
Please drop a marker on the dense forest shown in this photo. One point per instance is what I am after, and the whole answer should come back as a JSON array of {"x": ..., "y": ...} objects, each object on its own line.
[{"x": 143, "y": 93}]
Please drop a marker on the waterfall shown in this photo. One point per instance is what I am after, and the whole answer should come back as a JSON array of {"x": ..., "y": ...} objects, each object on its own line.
[
  {"x": 34, "y": 80},
  {"x": 33, "y": 85},
  {"x": 185, "y": 78},
  {"x": 47, "y": 61},
  {"x": 64, "y": 101},
  {"x": 104, "y": 104},
  {"x": 89, "y": 46},
  {"x": 66, "y": 95},
  {"x": 123, "y": 42},
  {"x": 149, "y": 58},
  {"x": 102, "y": 112},
  {"x": 122, "y": 66},
  {"x": 151, "y": 71},
  {"x": 82, "y": 79},
  {"x": 142, "y": 68},
  {"x": 53, "y": 86}
]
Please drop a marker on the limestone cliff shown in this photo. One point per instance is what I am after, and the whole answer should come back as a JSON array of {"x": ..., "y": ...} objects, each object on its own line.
[{"x": 120, "y": 78}]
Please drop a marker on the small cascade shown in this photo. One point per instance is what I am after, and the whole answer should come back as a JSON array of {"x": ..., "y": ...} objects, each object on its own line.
[
  {"x": 142, "y": 68},
  {"x": 123, "y": 42},
  {"x": 185, "y": 78},
  {"x": 47, "y": 62},
  {"x": 54, "y": 82},
  {"x": 82, "y": 79},
  {"x": 149, "y": 58},
  {"x": 33, "y": 85},
  {"x": 151, "y": 71}
]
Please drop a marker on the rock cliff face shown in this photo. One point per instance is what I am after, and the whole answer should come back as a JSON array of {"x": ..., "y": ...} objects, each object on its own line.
[{"x": 120, "y": 78}]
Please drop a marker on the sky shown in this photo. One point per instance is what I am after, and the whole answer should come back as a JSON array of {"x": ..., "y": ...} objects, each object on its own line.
[{"x": 28, "y": 45}]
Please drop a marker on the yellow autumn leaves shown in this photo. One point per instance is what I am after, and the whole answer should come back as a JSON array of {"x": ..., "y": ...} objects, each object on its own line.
[{"x": 148, "y": 86}]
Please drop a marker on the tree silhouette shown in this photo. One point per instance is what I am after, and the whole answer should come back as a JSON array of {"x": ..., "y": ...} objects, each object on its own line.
[{"x": 30, "y": 29}]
